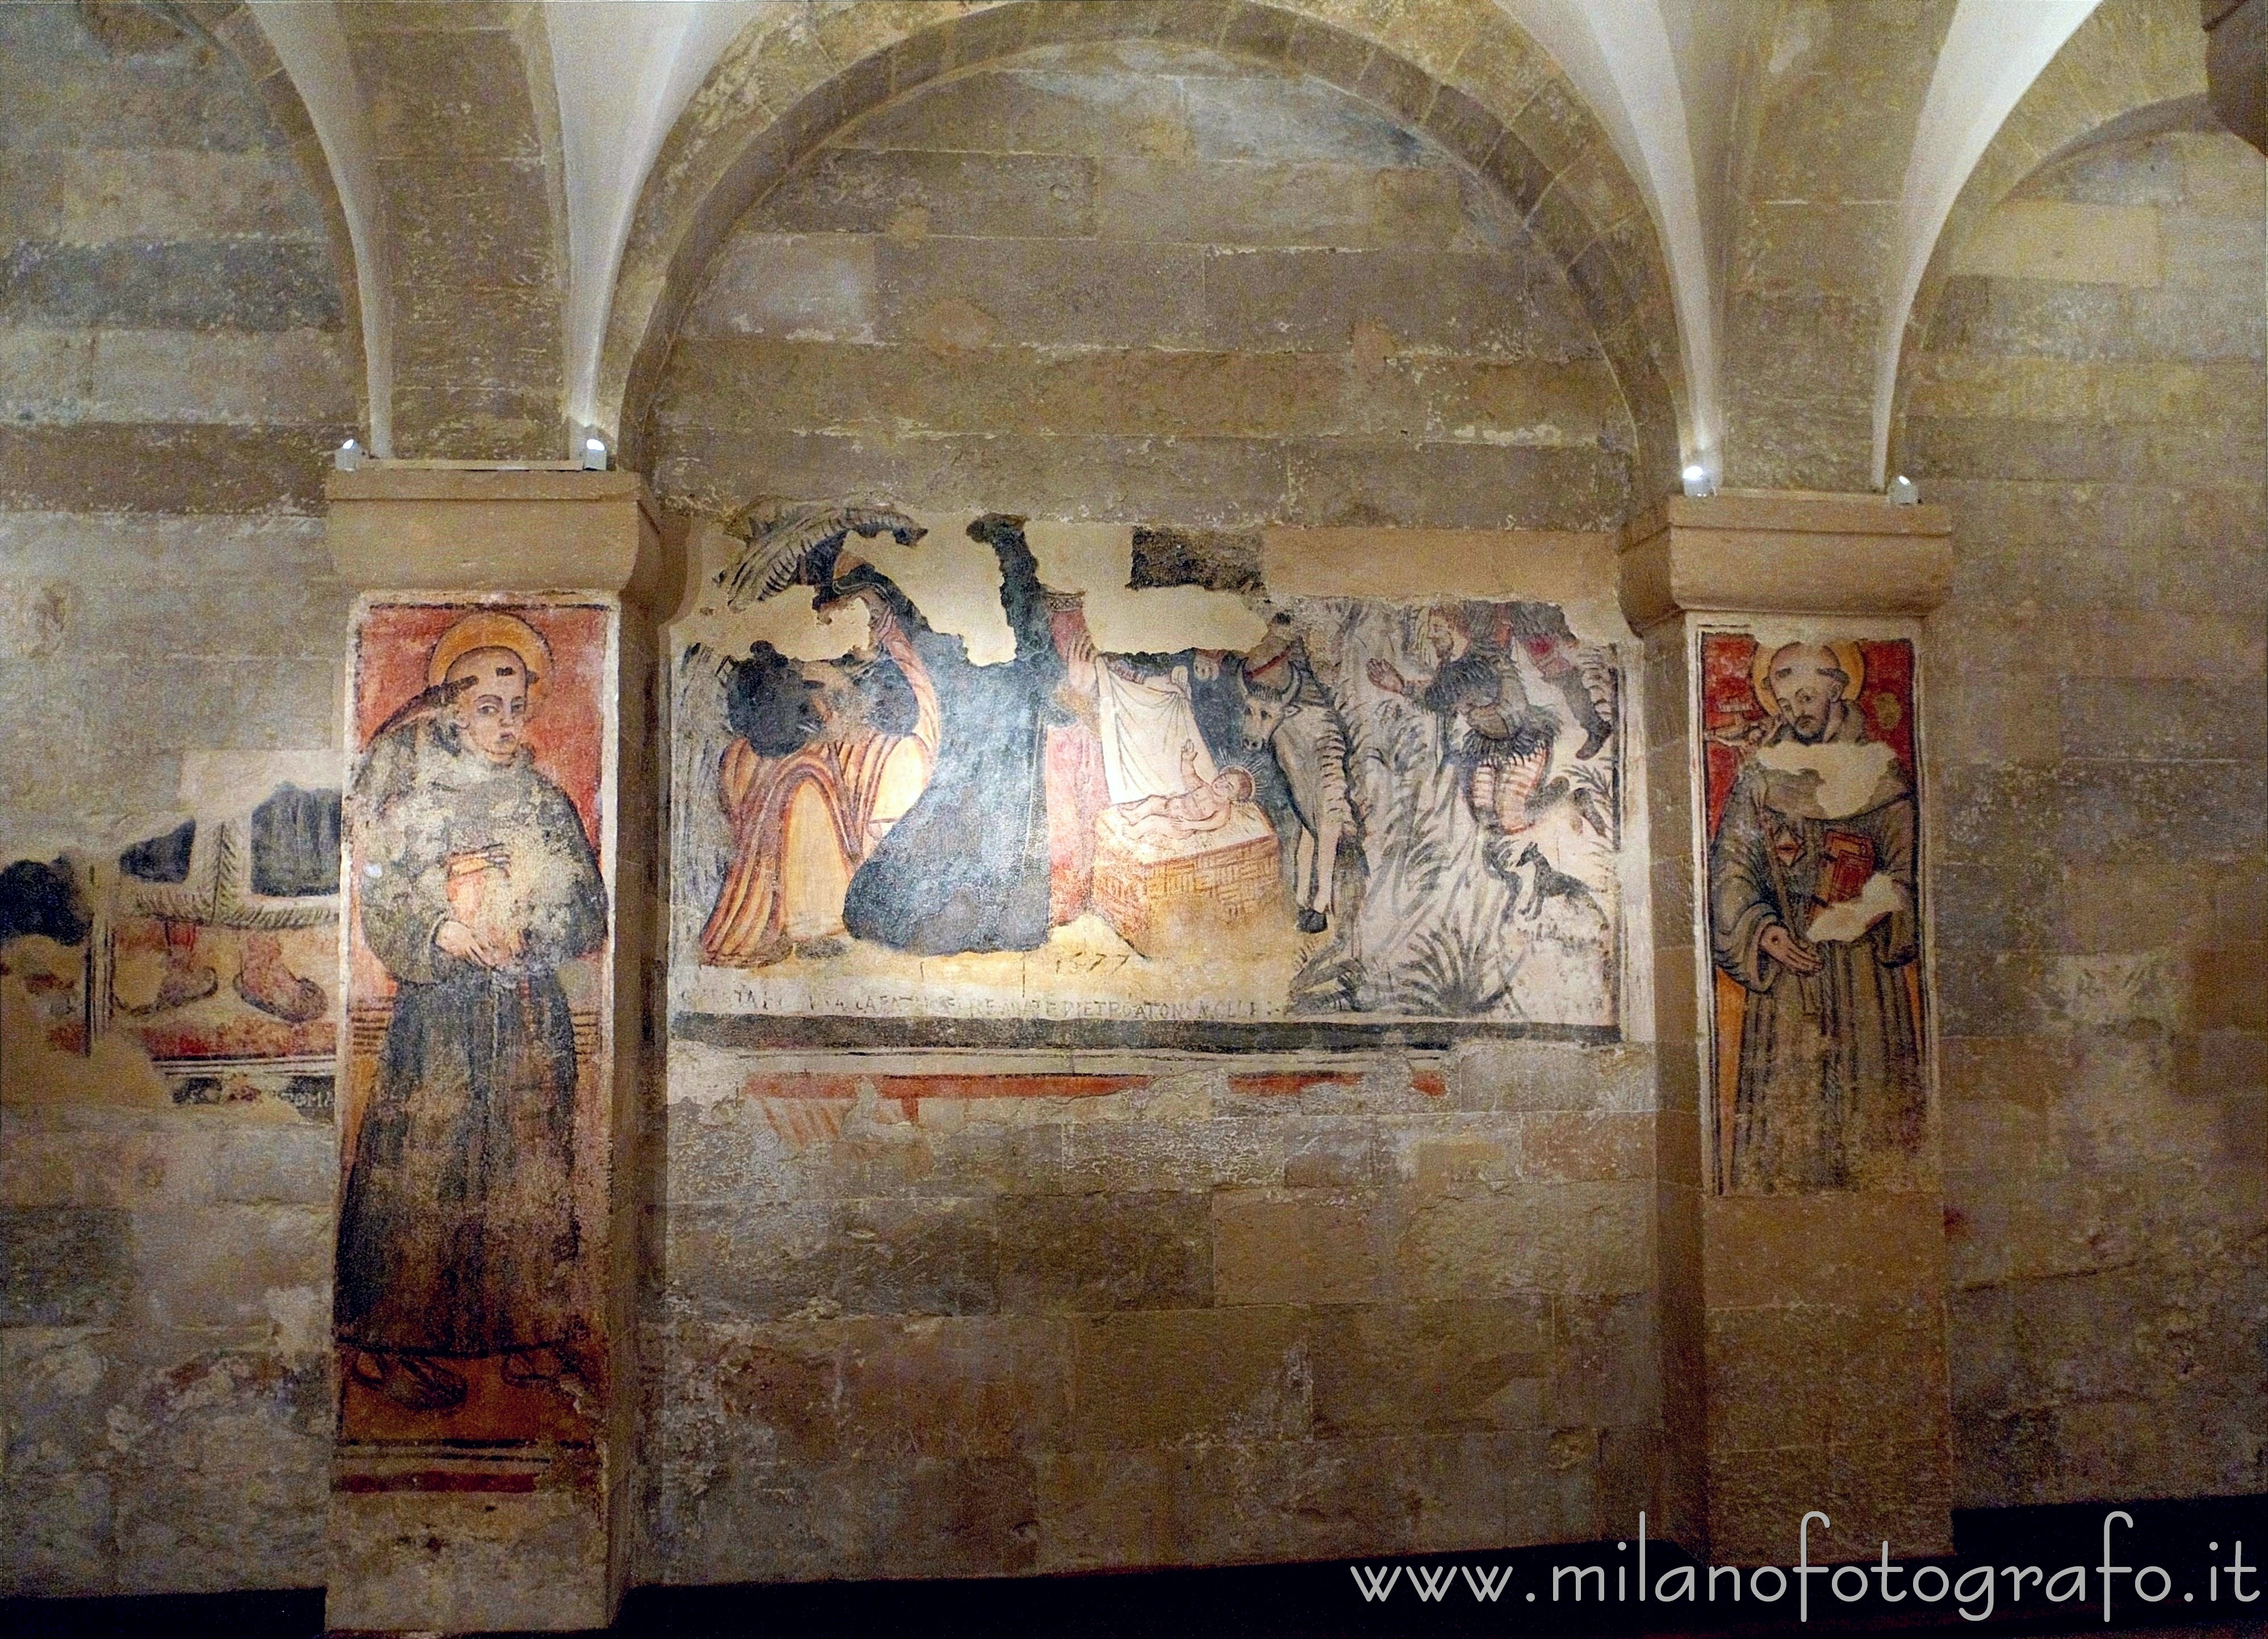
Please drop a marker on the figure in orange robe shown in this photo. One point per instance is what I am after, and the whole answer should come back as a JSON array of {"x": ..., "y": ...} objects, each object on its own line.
[
  {"x": 1077, "y": 790},
  {"x": 804, "y": 819}
]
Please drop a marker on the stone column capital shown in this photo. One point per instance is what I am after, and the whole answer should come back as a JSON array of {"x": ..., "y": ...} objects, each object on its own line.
[
  {"x": 1783, "y": 552},
  {"x": 460, "y": 527}
]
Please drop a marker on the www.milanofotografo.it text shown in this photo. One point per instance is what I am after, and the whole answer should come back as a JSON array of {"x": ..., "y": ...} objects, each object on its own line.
[{"x": 1974, "y": 1590}]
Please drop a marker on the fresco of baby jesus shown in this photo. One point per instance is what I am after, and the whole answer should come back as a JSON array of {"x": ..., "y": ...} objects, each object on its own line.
[{"x": 1201, "y": 805}]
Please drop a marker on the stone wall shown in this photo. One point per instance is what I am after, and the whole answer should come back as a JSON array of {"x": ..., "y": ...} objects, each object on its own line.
[
  {"x": 1145, "y": 284},
  {"x": 174, "y": 365},
  {"x": 916, "y": 1327},
  {"x": 2090, "y": 405},
  {"x": 170, "y": 310},
  {"x": 934, "y": 1319},
  {"x": 930, "y": 1318},
  {"x": 466, "y": 137},
  {"x": 1823, "y": 139}
]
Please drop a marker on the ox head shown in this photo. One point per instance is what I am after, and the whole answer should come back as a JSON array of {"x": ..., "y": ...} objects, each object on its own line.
[{"x": 1264, "y": 713}]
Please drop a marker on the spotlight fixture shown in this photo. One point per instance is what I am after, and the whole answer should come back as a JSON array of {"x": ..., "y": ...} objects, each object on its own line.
[
  {"x": 594, "y": 454},
  {"x": 347, "y": 456},
  {"x": 1698, "y": 481},
  {"x": 1903, "y": 491}
]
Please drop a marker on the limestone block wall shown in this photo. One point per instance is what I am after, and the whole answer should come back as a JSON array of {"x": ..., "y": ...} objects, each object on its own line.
[
  {"x": 1822, "y": 136},
  {"x": 2090, "y": 406},
  {"x": 466, "y": 134},
  {"x": 168, "y": 306},
  {"x": 173, "y": 367},
  {"x": 1152, "y": 284},
  {"x": 918, "y": 1315},
  {"x": 922, "y": 1324}
]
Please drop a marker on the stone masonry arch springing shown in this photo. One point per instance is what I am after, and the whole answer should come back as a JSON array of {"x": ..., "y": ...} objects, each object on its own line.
[
  {"x": 236, "y": 29},
  {"x": 1458, "y": 69},
  {"x": 2131, "y": 63}
]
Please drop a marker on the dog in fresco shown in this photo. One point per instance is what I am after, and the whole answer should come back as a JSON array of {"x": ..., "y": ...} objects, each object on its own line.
[{"x": 1550, "y": 883}]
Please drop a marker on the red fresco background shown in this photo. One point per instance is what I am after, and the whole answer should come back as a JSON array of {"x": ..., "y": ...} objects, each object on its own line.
[
  {"x": 564, "y": 732},
  {"x": 1729, "y": 705},
  {"x": 1729, "y": 711}
]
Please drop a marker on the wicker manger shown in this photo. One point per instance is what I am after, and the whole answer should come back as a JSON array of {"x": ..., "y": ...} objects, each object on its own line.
[{"x": 1154, "y": 892}]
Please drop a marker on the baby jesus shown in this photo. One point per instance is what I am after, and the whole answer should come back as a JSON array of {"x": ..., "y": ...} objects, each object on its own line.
[{"x": 1200, "y": 806}]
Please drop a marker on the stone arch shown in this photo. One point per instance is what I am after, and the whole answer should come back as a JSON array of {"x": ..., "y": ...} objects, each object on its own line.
[
  {"x": 1458, "y": 70},
  {"x": 197, "y": 299},
  {"x": 2134, "y": 66},
  {"x": 236, "y": 30}
]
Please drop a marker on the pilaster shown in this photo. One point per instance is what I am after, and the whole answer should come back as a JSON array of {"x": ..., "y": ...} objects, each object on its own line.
[
  {"x": 500, "y": 923},
  {"x": 1799, "y": 1205}
]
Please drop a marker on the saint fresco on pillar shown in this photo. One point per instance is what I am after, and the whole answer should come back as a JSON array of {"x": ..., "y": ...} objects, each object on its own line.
[
  {"x": 463, "y": 1297},
  {"x": 1815, "y": 928},
  {"x": 1099, "y": 782}
]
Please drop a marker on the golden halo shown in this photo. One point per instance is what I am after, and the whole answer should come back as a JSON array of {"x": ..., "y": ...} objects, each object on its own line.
[
  {"x": 492, "y": 628},
  {"x": 1847, "y": 655}
]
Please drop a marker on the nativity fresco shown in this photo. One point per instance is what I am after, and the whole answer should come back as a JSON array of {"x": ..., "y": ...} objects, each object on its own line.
[
  {"x": 1814, "y": 921},
  {"x": 480, "y": 916},
  {"x": 942, "y": 768}
]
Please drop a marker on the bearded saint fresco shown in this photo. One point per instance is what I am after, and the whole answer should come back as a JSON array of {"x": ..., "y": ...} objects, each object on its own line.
[
  {"x": 1813, "y": 917},
  {"x": 477, "y": 880},
  {"x": 1357, "y": 808}
]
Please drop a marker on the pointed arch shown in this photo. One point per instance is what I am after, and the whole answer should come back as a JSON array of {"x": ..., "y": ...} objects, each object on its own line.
[{"x": 2128, "y": 57}]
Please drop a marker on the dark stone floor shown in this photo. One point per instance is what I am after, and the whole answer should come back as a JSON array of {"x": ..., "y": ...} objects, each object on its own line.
[{"x": 1325, "y": 1601}]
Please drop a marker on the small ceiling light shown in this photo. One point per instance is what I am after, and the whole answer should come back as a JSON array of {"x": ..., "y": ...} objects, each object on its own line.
[
  {"x": 594, "y": 454},
  {"x": 1903, "y": 491},
  {"x": 347, "y": 456},
  {"x": 1698, "y": 481}
]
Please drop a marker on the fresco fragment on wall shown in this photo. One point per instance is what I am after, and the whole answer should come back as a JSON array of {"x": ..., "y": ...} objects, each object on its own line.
[
  {"x": 1815, "y": 919},
  {"x": 473, "y": 1186},
  {"x": 198, "y": 966},
  {"x": 218, "y": 953},
  {"x": 966, "y": 781},
  {"x": 44, "y": 975}
]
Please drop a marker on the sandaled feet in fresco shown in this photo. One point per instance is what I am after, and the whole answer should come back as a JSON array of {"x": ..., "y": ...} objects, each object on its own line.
[
  {"x": 178, "y": 988},
  {"x": 274, "y": 988},
  {"x": 408, "y": 1380},
  {"x": 528, "y": 1367}
]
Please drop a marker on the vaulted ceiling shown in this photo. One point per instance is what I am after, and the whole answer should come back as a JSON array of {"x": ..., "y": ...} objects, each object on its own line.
[{"x": 496, "y": 165}]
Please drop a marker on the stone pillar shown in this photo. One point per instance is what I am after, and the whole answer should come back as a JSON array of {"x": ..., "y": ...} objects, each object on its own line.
[
  {"x": 500, "y": 836},
  {"x": 2236, "y": 65},
  {"x": 1799, "y": 1211}
]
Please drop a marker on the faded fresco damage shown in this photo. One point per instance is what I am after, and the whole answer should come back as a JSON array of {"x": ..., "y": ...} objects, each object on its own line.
[
  {"x": 909, "y": 801},
  {"x": 209, "y": 949},
  {"x": 1814, "y": 913}
]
